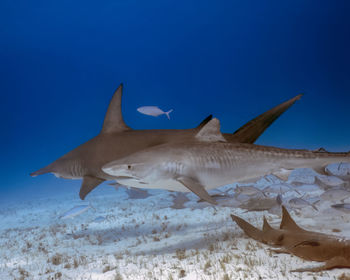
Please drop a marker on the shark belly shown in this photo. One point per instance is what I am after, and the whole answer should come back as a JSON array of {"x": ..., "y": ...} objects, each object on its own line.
[{"x": 166, "y": 184}]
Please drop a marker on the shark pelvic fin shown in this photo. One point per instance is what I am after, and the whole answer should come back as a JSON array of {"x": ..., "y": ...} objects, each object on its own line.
[
  {"x": 210, "y": 132},
  {"x": 114, "y": 121},
  {"x": 251, "y": 131},
  {"x": 287, "y": 222},
  {"x": 89, "y": 183},
  {"x": 194, "y": 186},
  {"x": 249, "y": 230}
]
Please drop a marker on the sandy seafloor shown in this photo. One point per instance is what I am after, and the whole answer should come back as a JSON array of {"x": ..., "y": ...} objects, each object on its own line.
[{"x": 147, "y": 239}]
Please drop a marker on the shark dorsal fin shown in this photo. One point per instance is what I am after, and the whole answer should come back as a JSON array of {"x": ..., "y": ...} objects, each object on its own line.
[
  {"x": 113, "y": 121},
  {"x": 287, "y": 222},
  {"x": 204, "y": 122},
  {"x": 210, "y": 132},
  {"x": 266, "y": 225}
]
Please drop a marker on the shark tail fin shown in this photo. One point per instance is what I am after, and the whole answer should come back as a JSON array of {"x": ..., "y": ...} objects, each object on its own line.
[
  {"x": 249, "y": 230},
  {"x": 251, "y": 131},
  {"x": 287, "y": 222},
  {"x": 168, "y": 113}
]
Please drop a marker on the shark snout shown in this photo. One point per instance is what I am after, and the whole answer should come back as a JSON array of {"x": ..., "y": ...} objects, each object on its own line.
[
  {"x": 117, "y": 170},
  {"x": 39, "y": 172}
]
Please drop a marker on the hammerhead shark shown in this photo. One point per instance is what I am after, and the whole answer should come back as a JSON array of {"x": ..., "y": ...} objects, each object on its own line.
[
  {"x": 309, "y": 245},
  {"x": 210, "y": 161},
  {"x": 117, "y": 140}
]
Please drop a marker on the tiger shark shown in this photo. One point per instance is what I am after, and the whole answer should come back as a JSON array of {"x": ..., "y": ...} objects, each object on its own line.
[
  {"x": 309, "y": 245},
  {"x": 210, "y": 161},
  {"x": 117, "y": 140}
]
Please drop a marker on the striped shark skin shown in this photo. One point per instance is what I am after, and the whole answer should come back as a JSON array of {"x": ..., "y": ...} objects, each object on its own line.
[
  {"x": 117, "y": 140},
  {"x": 210, "y": 162},
  {"x": 309, "y": 245}
]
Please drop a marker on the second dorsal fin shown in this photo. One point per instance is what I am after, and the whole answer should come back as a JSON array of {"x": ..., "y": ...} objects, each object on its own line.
[
  {"x": 114, "y": 121},
  {"x": 210, "y": 132}
]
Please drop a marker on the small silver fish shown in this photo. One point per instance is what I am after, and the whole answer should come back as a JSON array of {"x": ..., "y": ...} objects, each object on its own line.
[
  {"x": 75, "y": 211},
  {"x": 329, "y": 181},
  {"x": 153, "y": 111},
  {"x": 248, "y": 190},
  {"x": 300, "y": 203},
  {"x": 279, "y": 188},
  {"x": 341, "y": 170},
  {"x": 335, "y": 195},
  {"x": 99, "y": 219},
  {"x": 279, "y": 199},
  {"x": 344, "y": 207}
]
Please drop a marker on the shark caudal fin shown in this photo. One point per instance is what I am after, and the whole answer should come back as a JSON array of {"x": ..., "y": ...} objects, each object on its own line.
[
  {"x": 114, "y": 121},
  {"x": 287, "y": 222},
  {"x": 251, "y": 131},
  {"x": 249, "y": 230}
]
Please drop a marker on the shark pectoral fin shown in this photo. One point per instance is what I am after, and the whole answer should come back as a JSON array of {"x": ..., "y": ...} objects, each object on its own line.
[
  {"x": 195, "y": 186},
  {"x": 114, "y": 121},
  {"x": 251, "y": 131},
  {"x": 287, "y": 222},
  {"x": 210, "y": 132},
  {"x": 89, "y": 183},
  {"x": 283, "y": 174},
  {"x": 336, "y": 262}
]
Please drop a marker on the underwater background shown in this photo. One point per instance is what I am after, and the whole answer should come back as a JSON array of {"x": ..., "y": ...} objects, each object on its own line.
[{"x": 61, "y": 61}]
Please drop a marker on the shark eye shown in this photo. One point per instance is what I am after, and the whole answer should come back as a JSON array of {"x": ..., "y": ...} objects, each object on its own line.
[{"x": 129, "y": 167}]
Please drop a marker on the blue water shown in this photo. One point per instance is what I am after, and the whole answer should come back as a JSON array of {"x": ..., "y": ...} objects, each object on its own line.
[{"x": 61, "y": 62}]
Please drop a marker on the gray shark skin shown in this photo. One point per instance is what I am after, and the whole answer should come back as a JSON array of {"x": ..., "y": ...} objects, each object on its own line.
[
  {"x": 309, "y": 245},
  {"x": 117, "y": 140},
  {"x": 210, "y": 161}
]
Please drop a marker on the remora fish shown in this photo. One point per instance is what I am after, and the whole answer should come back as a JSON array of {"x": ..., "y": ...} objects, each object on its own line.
[
  {"x": 335, "y": 195},
  {"x": 344, "y": 207},
  {"x": 117, "y": 140},
  {"x": 309, "y": 245},
  {"x": 153, "y": 111},
  {"x": 211, "y": 162},
  {"x": 75, "y": 211}
]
